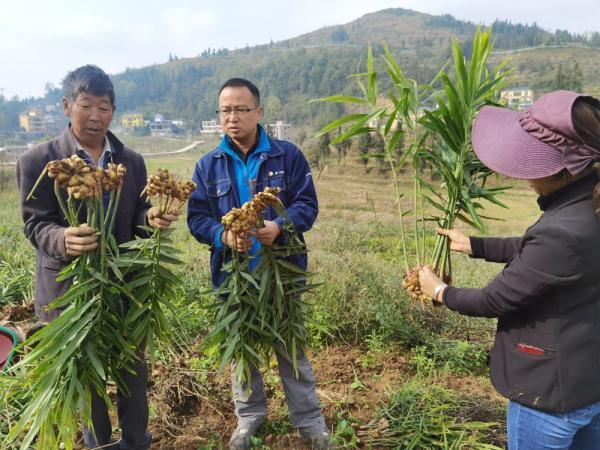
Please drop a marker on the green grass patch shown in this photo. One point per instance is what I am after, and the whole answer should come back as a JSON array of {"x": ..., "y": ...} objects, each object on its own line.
[{"x": 425, "y": 415}]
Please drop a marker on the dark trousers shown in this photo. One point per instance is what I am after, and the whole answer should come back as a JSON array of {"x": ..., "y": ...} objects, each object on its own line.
[{"x": 132, "y": 410}]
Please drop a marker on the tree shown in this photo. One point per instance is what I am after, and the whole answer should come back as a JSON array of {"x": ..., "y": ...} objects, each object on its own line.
[
  {"x": 323, "y": 150},
  {"x": 568, "y": 78},
  {"x": 576, "y": 81},
  {"x": 5, "y": 123},
  {"x": 378, "y": 151},
  {"x": 301, "y": 137},
  {"x": 364, "y": 145},
  {"x": 273, "y": 107},
  {"x": 342, "y": 149},
  {"x": 560, "y": 78},
  {"x": 48, "y": 88},
  {"x": 323, "y": 145},
  {"x": 339, "y": 35}
]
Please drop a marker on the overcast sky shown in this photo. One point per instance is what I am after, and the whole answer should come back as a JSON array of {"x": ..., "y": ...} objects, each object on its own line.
[{"x": 40, "y": 40}]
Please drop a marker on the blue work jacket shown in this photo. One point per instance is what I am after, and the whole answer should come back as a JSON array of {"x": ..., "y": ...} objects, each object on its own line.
[{"x": 283, "y": 165}]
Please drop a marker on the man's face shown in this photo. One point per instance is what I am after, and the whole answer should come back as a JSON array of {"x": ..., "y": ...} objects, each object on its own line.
[
  {"x": 90, "y": 117},
  {"x": 237, "y": 123}
]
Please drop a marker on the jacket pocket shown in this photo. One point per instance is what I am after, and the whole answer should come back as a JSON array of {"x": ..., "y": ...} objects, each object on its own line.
[
  {"x": 531, "y": 379},
  {"x": 215, "y": 189},
  {"x": 278, "y": 181},
  {"x": 219, "y": 196},
  {"x": 274, "y": 181},
  {"x": 52, "y": 264}
]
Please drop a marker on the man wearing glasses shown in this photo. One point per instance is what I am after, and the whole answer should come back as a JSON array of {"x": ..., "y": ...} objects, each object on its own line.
[{"x": 245, "y": 162}]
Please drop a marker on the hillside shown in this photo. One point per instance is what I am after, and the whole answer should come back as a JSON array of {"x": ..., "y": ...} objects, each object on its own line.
[
  {"x": 316, "y": 64},
  {"x": 537, "y": 67}
]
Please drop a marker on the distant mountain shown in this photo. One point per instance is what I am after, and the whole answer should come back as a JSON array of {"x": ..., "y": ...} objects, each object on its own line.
[{"x": 317, "y": 64}]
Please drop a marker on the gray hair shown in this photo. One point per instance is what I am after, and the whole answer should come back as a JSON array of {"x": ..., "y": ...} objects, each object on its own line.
[{"x": 89, "y": 79}]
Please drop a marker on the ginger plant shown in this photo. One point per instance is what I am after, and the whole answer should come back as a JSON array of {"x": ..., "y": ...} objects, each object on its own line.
[
  {"x": 260, "y": 311},
  {"x": 83, "y": 346},
  {"x": 473, "y": 85},
  {"x": 410, "y": 113},
  {"x": 113, "y": 309},
  {"x": 152, "y": 282}
]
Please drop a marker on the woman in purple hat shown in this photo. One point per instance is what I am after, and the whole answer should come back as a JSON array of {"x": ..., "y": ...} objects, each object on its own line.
[{"x": 546, "y": 355}]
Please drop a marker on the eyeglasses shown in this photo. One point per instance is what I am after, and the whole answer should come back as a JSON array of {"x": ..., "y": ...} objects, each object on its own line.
[{"x": 226, "y": 112}]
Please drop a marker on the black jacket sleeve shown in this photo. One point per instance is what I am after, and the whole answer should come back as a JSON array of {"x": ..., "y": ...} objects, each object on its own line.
[
  {"x": 549, "y": 258},
  {"x": 495, "y": 249}
]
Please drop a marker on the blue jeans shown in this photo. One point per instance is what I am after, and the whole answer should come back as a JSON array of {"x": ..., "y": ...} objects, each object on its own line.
[{"x": 530, "y": 429}]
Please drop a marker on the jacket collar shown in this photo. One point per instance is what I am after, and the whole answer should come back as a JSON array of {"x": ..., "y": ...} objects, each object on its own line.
[
  {"x": 68, "y": 145},
  {"x": 265, "y": 145},
  {"x": 574, "y": 192}
]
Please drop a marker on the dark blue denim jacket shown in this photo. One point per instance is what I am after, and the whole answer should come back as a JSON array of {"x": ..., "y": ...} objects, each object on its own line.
[{"x": 283, "y": 166}]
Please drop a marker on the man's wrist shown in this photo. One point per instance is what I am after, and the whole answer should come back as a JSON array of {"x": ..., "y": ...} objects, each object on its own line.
[
  {"x": 278, "y": 230},
  {"x": 148, "y": 218},
  {"x": 218, "y": 240}
]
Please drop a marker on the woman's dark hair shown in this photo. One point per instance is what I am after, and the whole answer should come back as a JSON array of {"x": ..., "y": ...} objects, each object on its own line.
[
  {"x": 597, "y": 198},
  {"x": 89, "y": 79},
  {"x": 586, "y": 120}
]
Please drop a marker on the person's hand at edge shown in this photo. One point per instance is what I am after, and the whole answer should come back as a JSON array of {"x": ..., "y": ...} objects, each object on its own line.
[
  {"x": 241, "y": 242},
  {"x": 267, "y": 234},
  {"x": 429, "y": 282},
  {"x": 163, "y": 221},
  {"x": 81, "y": 239},
  {"x": 459, "y": 242}
]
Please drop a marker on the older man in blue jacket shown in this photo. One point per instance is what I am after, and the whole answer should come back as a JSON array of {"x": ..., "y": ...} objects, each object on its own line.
[{"x": 246, "y": 161}]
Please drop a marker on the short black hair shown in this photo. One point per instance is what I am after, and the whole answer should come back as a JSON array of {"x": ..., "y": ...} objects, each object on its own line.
[
  {"x": 89, "y": 79},
  {"x": 242, "y": 82}
]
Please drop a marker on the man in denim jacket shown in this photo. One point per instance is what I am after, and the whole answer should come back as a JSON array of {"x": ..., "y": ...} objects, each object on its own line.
[{"x": 246, "y": 161}]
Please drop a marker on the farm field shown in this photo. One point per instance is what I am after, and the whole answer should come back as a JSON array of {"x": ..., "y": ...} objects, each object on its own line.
[
  {"x": 155, "y": 144},
  {"x": 388, "y": 370},
  {"x": 384, "y": 109}
]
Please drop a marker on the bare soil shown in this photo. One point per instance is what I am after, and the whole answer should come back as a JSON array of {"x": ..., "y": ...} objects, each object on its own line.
[
  {"x": 349, "y": 382},
  {"x": 193, "y": 410}
]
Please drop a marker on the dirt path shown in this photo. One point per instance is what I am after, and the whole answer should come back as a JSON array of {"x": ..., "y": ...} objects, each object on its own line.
[{"x": 187, "y": 148}]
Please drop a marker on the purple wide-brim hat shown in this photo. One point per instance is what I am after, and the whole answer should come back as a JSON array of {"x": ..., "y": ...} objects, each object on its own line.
[{"x": 537, "y": 143}]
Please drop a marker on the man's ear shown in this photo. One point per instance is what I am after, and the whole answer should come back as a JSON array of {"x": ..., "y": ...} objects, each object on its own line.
[{"x": 66, "y": 106}]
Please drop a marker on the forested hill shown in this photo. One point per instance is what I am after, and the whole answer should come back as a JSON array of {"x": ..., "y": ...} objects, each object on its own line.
[{"x": 316, "y": 64}]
